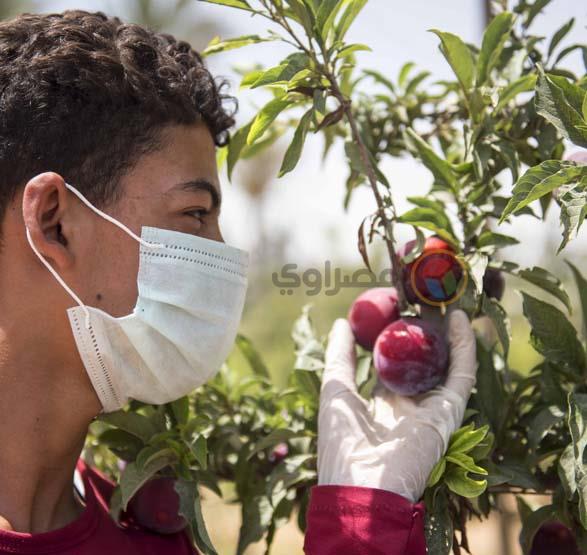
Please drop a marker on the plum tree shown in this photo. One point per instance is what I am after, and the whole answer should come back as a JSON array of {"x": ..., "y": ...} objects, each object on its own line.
[
  {"x": 554, "y": 537},
  {"x": 411, "y": 356},
  {"x": 371, "y": 312},
  {"x": 156, "y": 506},
  {"x": 495, "y": 151}
]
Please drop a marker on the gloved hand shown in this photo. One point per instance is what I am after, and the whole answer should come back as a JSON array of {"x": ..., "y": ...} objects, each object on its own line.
[{"x": 390, "y": 442}]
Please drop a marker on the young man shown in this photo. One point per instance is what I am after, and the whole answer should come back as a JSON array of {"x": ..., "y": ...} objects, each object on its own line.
[{"x": 115, "y": 284}]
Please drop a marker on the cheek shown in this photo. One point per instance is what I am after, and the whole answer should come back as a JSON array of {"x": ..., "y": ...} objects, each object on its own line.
[{"x": 113, "y": 277}]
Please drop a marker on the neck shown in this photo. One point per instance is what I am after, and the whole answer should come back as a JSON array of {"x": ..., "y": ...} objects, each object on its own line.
[{"x": 42, "y": 431}]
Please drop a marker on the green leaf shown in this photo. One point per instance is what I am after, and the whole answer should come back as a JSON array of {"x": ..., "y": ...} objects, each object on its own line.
[
  {"x": 240, "y": 4},
  {"x": 348, "y": 16},
  {"x": 560, "y": 35},
  {"x": 534, "y": 10},
  {"x": 499, "y": 317},
  {"x": 542, "y": 423},
  {"x": 257, "y": 514},
  {"x": 235, "y": 147},
  {"x": 153, "y": 453},
  {"x": 466, "y": 438},
  {"x": 430, "y": 218},
  {"x": 304, "y": 13},
  {"x": 573, "y": 203},
  {"x": 123, "y": 444},
  {"x": 509, "y": 155},
  {"x": 351, "y": 48},
  {"x": 541, "y": 180},
  {"x": 252, "y": 356},
  {"x": 492, "y": 239},
  {"x": 490, "y": 393},
  {"x": 572, "y": 469},
  {"x": 133, "y": 476},
  {"x": 523, "y": 84},
  {"x": 181, "y": 410},
  {"x": 548, "y": 282},
  {"x": 437, "y": 473},
  {"x": 459, "y": 56},
  {"x": 286, "y": 475},
  {"x": 294, "y": 151},
  {"x": 556, "y": 101},
  {"x": 413, "y": 83},
  {"x": 328, "y": 25},
  {"x": 466, "y": 462},
  {"x": 404, "y": 72},
  {"x": 457, "y": 480},
  {"x": 494, "y": 39},
  {"x": 216, "y": 45},
  {"x": 309, "y": 349},
  {"x": 552, "y": 334},
  {"x": 379, "y": 78},
  {"x": 438, "y": 523},
  {"x": 199, "y": 447},
  {"x": 265, "y": 118},
  {"x": 324, "y": 11},
  {"x": 285, "y": 71},
  {"x": 439, "y": 167},
  {"x": 581, "y": 283},
  {"x": 131, "y": 422},
  {"x": 191, "y": 508}
]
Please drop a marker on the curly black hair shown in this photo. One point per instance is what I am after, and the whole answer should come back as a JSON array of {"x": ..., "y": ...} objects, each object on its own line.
[{"x": 85, "y": 95}]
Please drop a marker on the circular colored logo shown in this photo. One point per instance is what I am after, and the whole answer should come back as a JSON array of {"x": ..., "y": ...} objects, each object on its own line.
[{"x": 438, "y": 277}]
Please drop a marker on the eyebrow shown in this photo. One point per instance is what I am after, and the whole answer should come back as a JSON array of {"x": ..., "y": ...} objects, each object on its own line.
[{"x": 199, "y": 185}]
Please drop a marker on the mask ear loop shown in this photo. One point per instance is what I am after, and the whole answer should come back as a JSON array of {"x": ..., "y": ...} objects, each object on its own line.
[{"x": 106, "y": 217}]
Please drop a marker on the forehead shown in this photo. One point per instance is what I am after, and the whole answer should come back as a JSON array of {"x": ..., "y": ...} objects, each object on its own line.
[{"x": 186, "y": 154}]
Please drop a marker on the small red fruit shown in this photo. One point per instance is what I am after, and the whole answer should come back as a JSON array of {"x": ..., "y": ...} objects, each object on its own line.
[
  {"x": 493, "y": 283},
  {"x": 371, "y": 312},
  {"x": 431, "y": 271},
  {"x": 554, "y": 538},
  {"x": 156, "y": 506},
  {"x": 278, "y": 453},
  {"x": 411, "y": 356}
]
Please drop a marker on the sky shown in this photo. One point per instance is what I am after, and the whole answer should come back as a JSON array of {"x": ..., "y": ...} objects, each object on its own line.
[{"x": 306, "y": 205}]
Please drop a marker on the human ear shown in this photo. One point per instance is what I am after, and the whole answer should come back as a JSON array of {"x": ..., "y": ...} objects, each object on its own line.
[{"x": 45, "y": 205}]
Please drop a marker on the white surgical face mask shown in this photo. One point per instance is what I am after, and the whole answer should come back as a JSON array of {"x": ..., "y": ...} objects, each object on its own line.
[{"x": 191, "y": 293}]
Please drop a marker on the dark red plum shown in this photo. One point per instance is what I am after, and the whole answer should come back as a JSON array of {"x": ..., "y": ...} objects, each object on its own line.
[
  {"x": 156, "y": 506},
  {"x": 371, "y": 312},
  {"x": 494, "y": 283},
  {"x": 554, "y": 538},
  {"x": 411, "y": 356}
]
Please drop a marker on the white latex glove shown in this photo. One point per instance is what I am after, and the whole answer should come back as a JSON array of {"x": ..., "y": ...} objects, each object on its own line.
[{"x": 390, "y": 442}]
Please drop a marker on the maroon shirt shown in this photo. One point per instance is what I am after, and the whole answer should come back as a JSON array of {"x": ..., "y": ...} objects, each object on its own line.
[{"x": 341, "y": 519}]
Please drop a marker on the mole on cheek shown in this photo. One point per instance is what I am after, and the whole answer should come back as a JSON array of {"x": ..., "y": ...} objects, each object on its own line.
[{"x": 99, "y": 296}]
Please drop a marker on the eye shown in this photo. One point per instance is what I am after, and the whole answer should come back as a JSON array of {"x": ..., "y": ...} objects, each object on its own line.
[{"x": 197, "y": 213}]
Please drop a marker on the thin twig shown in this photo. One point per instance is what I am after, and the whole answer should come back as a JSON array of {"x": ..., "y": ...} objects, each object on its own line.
[{"x": 389, "y": 238}]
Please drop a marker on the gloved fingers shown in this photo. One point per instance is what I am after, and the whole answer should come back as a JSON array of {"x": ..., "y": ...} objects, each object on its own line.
[
  {"x": 339, "y": 360},
  {"x": 462, "y": 372}
]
